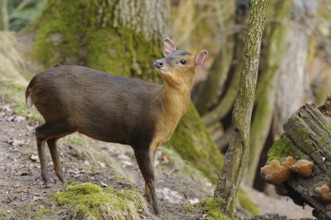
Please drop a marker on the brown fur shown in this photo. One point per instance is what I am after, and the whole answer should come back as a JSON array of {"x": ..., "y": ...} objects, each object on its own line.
[{"x": 114, "y": 109}]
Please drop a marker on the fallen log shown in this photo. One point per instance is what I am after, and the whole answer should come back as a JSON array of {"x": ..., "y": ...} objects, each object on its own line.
[{"x": 299, "y": 163}]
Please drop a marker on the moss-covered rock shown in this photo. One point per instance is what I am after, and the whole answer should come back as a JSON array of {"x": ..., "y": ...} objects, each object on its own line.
[
  {"x": 90, "y": 201},
  {"x": 213, "y": 209}
]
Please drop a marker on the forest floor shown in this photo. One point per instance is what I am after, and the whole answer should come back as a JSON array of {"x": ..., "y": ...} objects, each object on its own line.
[{"x": 23, "y": 195}]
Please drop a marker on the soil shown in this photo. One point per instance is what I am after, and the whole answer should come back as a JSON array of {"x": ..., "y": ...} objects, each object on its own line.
[{"x": 22, "y": 191}]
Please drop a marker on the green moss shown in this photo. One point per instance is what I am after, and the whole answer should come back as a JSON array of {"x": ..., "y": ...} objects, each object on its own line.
[
  {"x": 3, "y": 213},
  {"x": 136, "y": 197},
  {"x": 122, "y": 52},
  {"x": 42, "y": 213},
  {"x": 57, "y": 33},
  {"x": 282, "y": 148},
  {"x": 246, "y": 203},
  {"x": 89, "y": 201},
  {"x": 48, "y": 46},
  {"x": 44, "y": 209},
  {"x": 213, "y": 209},
  {"x": 65, "y": 35},
  {"x": 193, "y": 143}
]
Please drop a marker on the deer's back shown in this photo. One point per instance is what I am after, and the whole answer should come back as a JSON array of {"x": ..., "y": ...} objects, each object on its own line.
[{"x": 101, "y": 105}]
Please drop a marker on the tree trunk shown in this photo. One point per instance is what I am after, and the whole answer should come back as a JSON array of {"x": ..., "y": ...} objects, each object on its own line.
[
  {"x": 4, "y": 21},
  {"x": 267, "y": 86},
  {"x": 226, "y": 103},
  {"x": 111, "y": 36},
  {"x": 217, "y": 75},
  {"x": 224, "y": 106},
  {"x": 292, "y": 83},
  {"x": 307, "y": 136},
  {"x": 123, "y": 38},
  {"x": 237, "y": 154}
]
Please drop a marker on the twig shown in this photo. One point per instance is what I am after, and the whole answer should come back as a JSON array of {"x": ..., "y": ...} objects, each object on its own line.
[{"x": 19, "y": 8}]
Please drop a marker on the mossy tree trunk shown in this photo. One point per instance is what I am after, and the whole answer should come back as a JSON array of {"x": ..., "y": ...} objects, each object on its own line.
[
  {"x": 123, "y": 38},
  {"x": 111, "y": 36},
  {"x": 237, "y": 155},
  {"x": 267, "y": 85}
]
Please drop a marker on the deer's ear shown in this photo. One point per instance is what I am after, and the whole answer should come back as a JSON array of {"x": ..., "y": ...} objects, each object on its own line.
[
  {"x": 200, "y": 58},
  {"x": 168, "y": 46}
]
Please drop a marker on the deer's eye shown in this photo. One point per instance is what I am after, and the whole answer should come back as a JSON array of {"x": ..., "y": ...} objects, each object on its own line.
[{"x": 182, "y": 61}]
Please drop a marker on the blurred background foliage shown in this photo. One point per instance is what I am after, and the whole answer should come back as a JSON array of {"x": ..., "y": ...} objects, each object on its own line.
[{"x": 16, "y": 14}]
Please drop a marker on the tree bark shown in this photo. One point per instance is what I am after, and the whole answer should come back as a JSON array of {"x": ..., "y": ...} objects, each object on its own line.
[
  {"x": 267, "y": 86},
  {"x": 237, "y": 154},
  {"x": 4, "y": 21},
  {"x": 123, "y": 38},
  {"x": 307, "y": 136},
  {"x": 291, "y": 83}
]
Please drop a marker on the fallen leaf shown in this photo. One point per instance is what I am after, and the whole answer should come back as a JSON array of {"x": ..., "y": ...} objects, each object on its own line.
[
  {"x": 127, "y": 163},
  {"x": 194, "y": 201},
  {"x": 103, "y": 184},
  {"x": 103, "y": 165},
  {"x": 165, "y": 159}
]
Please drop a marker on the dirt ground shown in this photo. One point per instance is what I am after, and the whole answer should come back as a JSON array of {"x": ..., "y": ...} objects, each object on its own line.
[{"x": 22, "y": 191}]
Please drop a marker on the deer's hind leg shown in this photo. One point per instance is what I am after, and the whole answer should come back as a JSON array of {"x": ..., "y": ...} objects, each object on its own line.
[{"x": 51, "y": 132}]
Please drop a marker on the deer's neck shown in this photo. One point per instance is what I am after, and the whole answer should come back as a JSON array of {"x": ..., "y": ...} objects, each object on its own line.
[{"x": 175, "y": 102}]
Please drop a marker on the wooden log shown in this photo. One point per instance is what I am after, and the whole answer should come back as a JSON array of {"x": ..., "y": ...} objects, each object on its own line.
[{"x": 306, "y": 137}]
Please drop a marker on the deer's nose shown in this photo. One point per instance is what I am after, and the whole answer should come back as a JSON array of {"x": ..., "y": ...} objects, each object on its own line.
[{"x": 159, "y": 64}]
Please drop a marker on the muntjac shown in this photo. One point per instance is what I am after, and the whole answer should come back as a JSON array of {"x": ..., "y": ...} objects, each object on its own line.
[{"x": 114, "y": 109}]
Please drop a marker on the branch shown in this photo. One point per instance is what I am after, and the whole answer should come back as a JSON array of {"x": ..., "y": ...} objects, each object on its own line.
[
  {"x": 19, "y": 8},
  {"x": 4, "y": 23}
]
